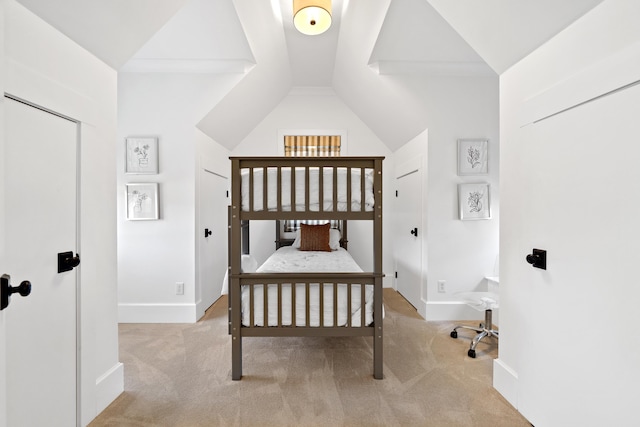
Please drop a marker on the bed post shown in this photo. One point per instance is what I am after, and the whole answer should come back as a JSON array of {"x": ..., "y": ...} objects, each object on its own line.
[
  {"x": 235, "y": 253},
  {"x": 377, "y": 267}
]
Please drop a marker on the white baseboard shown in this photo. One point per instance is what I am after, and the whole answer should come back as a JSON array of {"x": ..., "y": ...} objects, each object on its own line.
[
  {"x": 454, "y": 310},
  {"x": 157, "y": 313},
  {"x": 505, "y": 380},
  {"x": 109, "y": 386},
  {"x": 200, "y": 309}
]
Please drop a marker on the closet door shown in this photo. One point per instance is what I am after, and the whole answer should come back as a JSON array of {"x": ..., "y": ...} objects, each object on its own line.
[
  {"x": 408, "y": 236},
  {"x": 40, "y": 165},
  {"x": 592, "y": 180},
  {"x": 212, "y": 235}
]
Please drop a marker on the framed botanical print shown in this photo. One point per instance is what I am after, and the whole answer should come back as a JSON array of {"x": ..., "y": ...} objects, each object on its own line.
[
  {"x": 141, "y": 155},
  {"x": 142, "y": 201},
  {"x": 473, "y": 201},
  {"x": 473, "y": 156}
]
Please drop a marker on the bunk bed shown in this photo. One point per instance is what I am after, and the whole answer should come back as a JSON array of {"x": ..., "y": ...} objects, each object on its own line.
[{"x": 298, "y": 302}]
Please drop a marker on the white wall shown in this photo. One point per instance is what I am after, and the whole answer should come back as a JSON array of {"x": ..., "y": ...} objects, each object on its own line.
[
  {"x": 46, "y": 68},
  {"x": 460, "y": 252},
  {"x": 569, "y": 185},
  {"x": 154, "y": 255},
  {"x": 317, "y": 109}
]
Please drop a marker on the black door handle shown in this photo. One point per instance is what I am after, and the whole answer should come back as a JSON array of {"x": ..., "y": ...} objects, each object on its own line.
[
  {"x": 66, "y": 261},
  {"x": 538, "y": 258},
  {"x": 6, "y": 290},
  {"x": 207, "y": 232},
  {"x": 415, "y": 231}
]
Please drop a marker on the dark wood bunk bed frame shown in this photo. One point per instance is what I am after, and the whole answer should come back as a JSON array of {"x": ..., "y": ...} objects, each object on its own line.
[{"x": 237, "y": 279}]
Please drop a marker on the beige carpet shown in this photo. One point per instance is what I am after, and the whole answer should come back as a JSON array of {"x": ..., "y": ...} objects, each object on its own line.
[{"x": 180, "y": 375}]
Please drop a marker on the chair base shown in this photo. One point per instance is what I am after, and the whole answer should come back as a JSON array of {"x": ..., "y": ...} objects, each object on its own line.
[{"x": 483, "y": 331}]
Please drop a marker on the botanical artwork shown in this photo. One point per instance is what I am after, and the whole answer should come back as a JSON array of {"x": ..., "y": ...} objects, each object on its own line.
[
  {"x": 472, "y": 156},
  {"x": 142, "y": 201},
  {"x": 473, "y": 200},
  {"x": 142, "y": 155}
]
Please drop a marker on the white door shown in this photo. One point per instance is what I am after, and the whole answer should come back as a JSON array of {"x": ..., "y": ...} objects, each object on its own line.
[
  {"x": 40, "y": 163},
  {"x": 213, "y": 235},
  {"x": 408, "y": 236},
  {"x": 591, "y": 235}
]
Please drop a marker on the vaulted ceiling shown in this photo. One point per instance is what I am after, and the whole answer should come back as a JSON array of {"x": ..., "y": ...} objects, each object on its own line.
[{"x": 368, "y": 39}]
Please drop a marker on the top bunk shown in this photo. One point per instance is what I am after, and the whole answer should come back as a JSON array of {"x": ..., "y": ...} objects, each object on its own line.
[{"x": 303, "y": 188}]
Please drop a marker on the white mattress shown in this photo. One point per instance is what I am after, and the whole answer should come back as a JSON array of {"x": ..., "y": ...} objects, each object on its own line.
[
  {"x": 314, "y": 189},
  {"x": 289, "y": 259}
]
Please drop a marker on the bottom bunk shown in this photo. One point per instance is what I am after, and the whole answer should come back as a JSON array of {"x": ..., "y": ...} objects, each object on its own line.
[
  {"x": 304, "y": 294},
  {"x": 309, "y": 303}
]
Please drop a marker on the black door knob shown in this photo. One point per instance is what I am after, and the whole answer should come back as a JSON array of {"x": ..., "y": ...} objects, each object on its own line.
[
  {"x": 66, "y": 261},
  {"x": 6, "y": 290},
  {"x": 207, "y": 232},
  {"x": 538, "y": 258},
  {"x": 415, "y": 231},
  {"x": 532, "y": 259},
  {"x": 24, "y": 289}
]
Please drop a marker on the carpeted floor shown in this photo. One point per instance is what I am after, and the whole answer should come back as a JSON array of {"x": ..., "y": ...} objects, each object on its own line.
[{"x": 180, "y": 375}]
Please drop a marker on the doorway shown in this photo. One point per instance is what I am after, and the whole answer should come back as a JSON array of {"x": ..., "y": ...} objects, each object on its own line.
[
  {"x": 408, "y": 236},
  {"x": 212, "y": 238}
]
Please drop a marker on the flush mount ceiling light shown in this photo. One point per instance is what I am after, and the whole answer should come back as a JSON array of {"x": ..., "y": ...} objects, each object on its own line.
[{"x": 312, "y": 17}]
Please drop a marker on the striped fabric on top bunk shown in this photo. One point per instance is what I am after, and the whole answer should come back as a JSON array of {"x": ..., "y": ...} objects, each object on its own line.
[{"x": 292, "y": 225}]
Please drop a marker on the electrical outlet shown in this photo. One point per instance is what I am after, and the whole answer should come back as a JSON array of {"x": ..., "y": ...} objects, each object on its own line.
[
  {"x": 441, "y": 286},
  {"x": 179, "y": 288}
]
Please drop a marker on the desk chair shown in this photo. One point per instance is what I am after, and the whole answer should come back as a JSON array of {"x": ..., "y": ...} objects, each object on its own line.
[{"x": 480, "y": 301}]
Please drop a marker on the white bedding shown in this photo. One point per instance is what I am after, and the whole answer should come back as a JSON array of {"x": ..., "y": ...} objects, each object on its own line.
[
  {"x": 314, "y": 189},
  {"x": 289, "y": 259}
]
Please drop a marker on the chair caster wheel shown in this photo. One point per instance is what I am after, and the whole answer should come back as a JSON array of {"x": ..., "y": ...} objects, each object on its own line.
[
  {"x": 454, "y": 334},
  {"x": 472, "y": 353}
]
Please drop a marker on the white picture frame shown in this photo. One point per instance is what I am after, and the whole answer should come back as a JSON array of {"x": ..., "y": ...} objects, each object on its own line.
[
  {"x": 141, "y": 155},
  {"x": 474, "y": 201},
  {"x": 142, "y": 201},
  {"x": 473, "y": 157}
]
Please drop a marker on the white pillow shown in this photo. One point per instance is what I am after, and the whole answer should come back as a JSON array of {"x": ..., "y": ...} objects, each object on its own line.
[
  {"x": 334, "y": 239},
  {"x": 248, "y": 264}
]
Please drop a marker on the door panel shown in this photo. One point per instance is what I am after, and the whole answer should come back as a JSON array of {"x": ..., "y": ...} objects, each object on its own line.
[
  {"x": 408, "y": 237},
  {"x": 213, "y": 248},
  {"x": 40, "y": 213},
  {"x": 582, "y": 207}
]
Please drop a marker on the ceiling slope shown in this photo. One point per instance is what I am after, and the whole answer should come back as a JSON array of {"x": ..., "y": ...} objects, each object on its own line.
[
  {"x": 371, "y": 44},
  {"x": 405, "y": 36},
  {"x": 112, "y": 30},
  {"x": 504, "y": 32},
  {"x": 204, "y": 36},
  {"x": 391, "y": 113},
  {"x": 260, "y": 91},
  {"x": 414, "y": 38}
]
